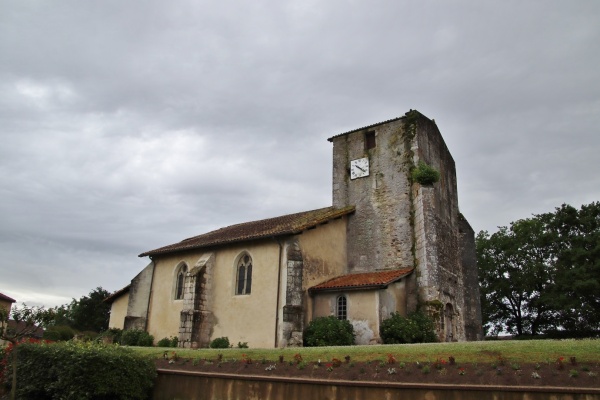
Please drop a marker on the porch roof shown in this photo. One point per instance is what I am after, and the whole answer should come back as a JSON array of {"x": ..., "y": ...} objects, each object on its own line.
[{"x": 362, "y": 281}]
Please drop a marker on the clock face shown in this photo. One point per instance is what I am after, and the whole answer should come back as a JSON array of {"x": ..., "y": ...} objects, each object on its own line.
[{"x": 359, "y": 168}]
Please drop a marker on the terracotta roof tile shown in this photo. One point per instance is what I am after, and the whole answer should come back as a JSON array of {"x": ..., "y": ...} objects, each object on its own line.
[
  {"x": 362, "y": 281},
  {"x": 282, "y": 225},
  {"x": 6, "y": 298}
]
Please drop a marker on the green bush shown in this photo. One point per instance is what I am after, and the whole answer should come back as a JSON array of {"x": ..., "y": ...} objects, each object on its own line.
[
  {"x": 77, "y": 370},
  {"x": 425, "y": 174},
  {"x": 59, "y": 333},
  {"x": 416, "y": 328},
  {"x": 168, "y": 342},
  {"x": 329, "y": 331},
  {"x": 136, "y": 337},
  {"x": 113, "y": 335},
  {"x": 220, "y": 343}
]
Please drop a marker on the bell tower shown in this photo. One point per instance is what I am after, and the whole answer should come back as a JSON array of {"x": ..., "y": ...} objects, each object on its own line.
[
  {"x": 370, "y": 172},
  {"x": 401, "y": 223}
]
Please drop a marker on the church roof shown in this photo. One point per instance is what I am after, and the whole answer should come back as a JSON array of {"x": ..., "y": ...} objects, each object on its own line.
[
  {"x": 112, "y": 297},
  {"x": 362, "y": 281},
  {"x": 290, "y": 224},
  {"x": 6, "y": 298}
]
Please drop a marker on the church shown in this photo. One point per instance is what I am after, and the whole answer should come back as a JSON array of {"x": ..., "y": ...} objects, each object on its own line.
[{"x": 388, "y": 243}]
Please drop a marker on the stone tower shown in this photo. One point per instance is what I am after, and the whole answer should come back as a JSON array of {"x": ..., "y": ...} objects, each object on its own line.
[{"x": 399, "y": 223}]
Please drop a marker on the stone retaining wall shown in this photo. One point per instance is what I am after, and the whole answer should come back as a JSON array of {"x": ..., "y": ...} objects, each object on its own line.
[{"x": 171, "y": 385}]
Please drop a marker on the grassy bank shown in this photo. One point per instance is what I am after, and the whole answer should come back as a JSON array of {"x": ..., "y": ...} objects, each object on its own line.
[{"x": 585, "y": 350}]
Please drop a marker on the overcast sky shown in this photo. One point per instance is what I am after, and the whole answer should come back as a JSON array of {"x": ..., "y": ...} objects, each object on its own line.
[{"x": 129, "y": 125}]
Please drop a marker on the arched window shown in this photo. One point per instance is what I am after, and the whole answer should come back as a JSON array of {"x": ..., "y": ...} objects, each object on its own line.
[
  {"x": 243, "y": 284},
  {"x": 180, "y": 281},
  {"x": 342, "y": 308}
]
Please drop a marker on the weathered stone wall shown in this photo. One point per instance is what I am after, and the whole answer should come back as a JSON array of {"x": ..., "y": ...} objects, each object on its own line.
[
  {"x": 198, "y": 386},
  {"x": 379, "y": 232},
  {"x": 400, "y": 224},
  {"x": 139, "y": 298},
  {"x": 441, "y": 283},
  {"x": 292, "y": 325},
  {"x": 196, "y": 318},
  {"x": 472, "y": 299}
]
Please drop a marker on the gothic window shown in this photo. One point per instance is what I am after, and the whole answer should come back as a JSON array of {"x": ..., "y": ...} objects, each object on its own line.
[
  {"x": 243, "y": 284},
  {"x": 342, "y": 308},
  {"x": 180, "y": 281}
]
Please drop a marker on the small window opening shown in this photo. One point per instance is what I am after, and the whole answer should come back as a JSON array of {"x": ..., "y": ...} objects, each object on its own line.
[
  {"x": 342, "y": 308},
  {"x": 370, "y": 140}
]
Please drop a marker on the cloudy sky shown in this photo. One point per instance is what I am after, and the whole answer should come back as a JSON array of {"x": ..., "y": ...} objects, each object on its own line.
[{"x": 128, "y": 125}]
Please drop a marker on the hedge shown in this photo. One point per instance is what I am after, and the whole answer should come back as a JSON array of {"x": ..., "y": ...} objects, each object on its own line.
[{"x": 76, "y": 370}]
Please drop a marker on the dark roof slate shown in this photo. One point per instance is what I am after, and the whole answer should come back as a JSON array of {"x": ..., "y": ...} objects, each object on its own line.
[
  {"x": 362, "y": 281},
  {"x": 283, "y": 225}
]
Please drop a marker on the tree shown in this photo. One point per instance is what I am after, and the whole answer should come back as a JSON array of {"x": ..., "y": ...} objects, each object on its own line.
[
  {"x": 89, "y": 313},
  {"x": 25, "y": 321},
  {"x": 542, "y": 273},
  {"x": 576, "y": 293}
]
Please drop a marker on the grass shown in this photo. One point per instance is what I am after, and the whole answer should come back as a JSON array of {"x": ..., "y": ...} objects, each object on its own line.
[{"x": 517, "y": 351}]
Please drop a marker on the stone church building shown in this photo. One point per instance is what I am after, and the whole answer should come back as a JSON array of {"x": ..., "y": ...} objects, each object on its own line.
[{"x": 387, "y": 244}]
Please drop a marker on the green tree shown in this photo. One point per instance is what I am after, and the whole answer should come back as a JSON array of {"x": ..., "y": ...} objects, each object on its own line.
[
  {"x": 89, "y": 313},
  {"x": 576, "y": 293},
  {"x": 26, "y": 321},
  {"x": 542, "y": 273}
]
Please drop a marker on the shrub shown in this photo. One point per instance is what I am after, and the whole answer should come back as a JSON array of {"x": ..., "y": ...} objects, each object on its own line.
[
  {"x": 111, "y": 335},
  {"x": 416, "y": 328},
  {"x": 136, "y": 337},
  {"x": 59, "y": 333},
  {"x": 220, "y": 343},
  {"x": 77, "y": 370},
  {"x": 425, "y": 174},
  {"x": 168, "y": 342},
  {"x": 329, "y": 331}
]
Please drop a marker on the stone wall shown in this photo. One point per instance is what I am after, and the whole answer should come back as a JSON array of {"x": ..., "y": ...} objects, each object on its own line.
[
  {"x": 293, "y": 310},
  {"x": 400, "y": 224},
  {"x": 196, "y": 321},
  {"x": 379, "y": 234},
  {"x": 139, "y": 298}
]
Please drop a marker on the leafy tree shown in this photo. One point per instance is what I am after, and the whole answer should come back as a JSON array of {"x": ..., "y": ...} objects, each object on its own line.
[
  {"x": 542, "y": 273},
  {"x": 89, "y": 313},
  {"x": 25, "y": 322},
  {"x": 576, "y": 292}
]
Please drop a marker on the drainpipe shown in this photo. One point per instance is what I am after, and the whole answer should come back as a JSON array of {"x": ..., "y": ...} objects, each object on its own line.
[{"x": 278, "y": 292}]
